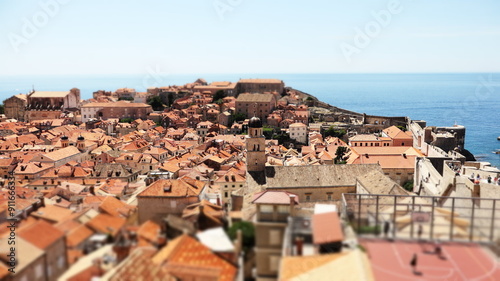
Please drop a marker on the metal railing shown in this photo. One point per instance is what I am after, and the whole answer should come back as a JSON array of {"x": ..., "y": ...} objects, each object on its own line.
[{"x": 466, "y": 219}]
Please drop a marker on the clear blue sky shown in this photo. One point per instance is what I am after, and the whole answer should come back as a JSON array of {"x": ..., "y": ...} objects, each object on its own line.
[{"x": 255, "y": 36}]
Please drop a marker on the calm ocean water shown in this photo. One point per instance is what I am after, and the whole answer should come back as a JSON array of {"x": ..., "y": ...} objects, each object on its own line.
[{"x": 472, "y": 100}]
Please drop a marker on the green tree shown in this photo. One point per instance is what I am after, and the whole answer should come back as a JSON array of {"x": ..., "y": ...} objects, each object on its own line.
[
  {"x": 408, "y": 185},
  {"x": 2, "y": 109},
  {"x": 219, "y": 95},
  {"x": 126, "y": 120},
  {"x": 239, "y": 117},
  {"x": 268, "y": 132},
  {"x": 333, "y": 132},
  {"x": 126, "y": 98},
  {"x": 282, "y": 138},
  {"x": 402, "y": 128},
  {"x": 171, "y": 98},
  {"x": 156, "y": 103},
  {"x": 340, "y": 155},
  {"x": 247, "y": 231}
]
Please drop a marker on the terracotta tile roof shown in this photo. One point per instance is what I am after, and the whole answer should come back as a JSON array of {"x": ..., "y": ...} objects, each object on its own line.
[
  {"x": 186, "y": 256},
  {"x": 62, "y": 153},
  {"x": 255, "y": 98},
  {"x": 174, "y": 188},
  {"x": 138, "y": 267},
  {"x": 104, "y": 223},
  {"x": 53, "y": 213},
  {"x": 32, "y": 168},
  {"x": 230, "y": 176},
  {"x": 386, "y": 150},
  {"x": 76, "y": 236},
  {"x": 67, "y": 225},
  {"x": 41, "y": 234},
  {"x": 351, "y": 265},
  {"x": 88, "y": 273},
  {"x": 206, "y": 214},
  {"x": 149, "y": 230},
  {"x": 364, "y": 137},
  {"x": 326, "y": 228},
  {"x": 395, "y": 133},
  {"x": 274, "y": 197},
  {"x": 115, "y": 207},
  {"x": 386, "y": 161}
]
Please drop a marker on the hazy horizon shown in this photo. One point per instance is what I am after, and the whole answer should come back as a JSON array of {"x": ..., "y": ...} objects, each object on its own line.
[{"x": 58, "y": 37}]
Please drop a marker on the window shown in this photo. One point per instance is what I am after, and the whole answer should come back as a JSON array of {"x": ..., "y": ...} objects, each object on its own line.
[
  {"x": 266, "y": 208},
  {"x": 274, "y": 237},
  {"x": 38, "y": 271},
  {"x": 329, "y": 196},
  {"x": 308, "y": 196},
  {"x": 61, "y": 261},
  {"x": 283, "y": 209},
  {"x": 274, "y": 262},
  {"x": 226, "y": 194}
]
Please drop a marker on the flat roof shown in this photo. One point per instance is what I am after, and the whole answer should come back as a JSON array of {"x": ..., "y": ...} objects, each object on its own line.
[{"x": 49, "y": 94}]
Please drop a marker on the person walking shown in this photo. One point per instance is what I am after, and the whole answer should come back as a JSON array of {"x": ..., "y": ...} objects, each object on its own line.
[
  {"x": 438, "y": 251},
  {"x": 386, "y": 228},
  {"x": 413, "y": 263},
  {"x": 420, "y": 230}
]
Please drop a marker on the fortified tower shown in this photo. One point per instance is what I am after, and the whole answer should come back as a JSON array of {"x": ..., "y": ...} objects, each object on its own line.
[{"x": 255, "y": 143}]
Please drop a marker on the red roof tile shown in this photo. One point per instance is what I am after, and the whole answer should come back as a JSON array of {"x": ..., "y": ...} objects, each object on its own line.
[
  {"x": 274, "y": 197},
  {"x": 326, "y": 228}
]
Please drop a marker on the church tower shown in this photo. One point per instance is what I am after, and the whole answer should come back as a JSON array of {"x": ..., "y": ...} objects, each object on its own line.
[
  {"x": 80, "y": 143},
  {"x": 64, "y": 141},
  {"x": 255, "y": 144}
]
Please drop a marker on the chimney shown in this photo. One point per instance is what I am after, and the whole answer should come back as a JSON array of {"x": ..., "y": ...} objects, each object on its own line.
[
  {"x": 292, "y": 203},
  {"x": 299, "y": 245},
  {"x": 238, "y": 245}
]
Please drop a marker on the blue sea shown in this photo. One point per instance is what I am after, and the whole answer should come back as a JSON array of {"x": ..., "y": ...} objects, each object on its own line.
[{"x": 472, "y": 100}]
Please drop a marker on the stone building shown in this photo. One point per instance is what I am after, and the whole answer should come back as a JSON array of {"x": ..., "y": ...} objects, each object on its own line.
[
  {"x": 228, "y": 88},
  {"x": 316, "y": 183},
  {"x": 14, "y": 107},
  {"x": 256, "y": 146},
  {"x": 298, "y": 132},
  {"x": 120, "y": 109},
  {"x": 273, "y": 209},
  {"x": 49, "y": 239},
  {"x": 125, "y": 93},
  {"x": 260, "y": 85},
  {"x": 51, "y": 105},
  {"x": 115, "y": 171},
  {"x": 260, "y": 105},
  {"x": 168, "y": 197}
]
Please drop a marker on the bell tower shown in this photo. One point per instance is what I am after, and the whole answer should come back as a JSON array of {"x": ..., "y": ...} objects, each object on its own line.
[{"x": 255, "y": 144}]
